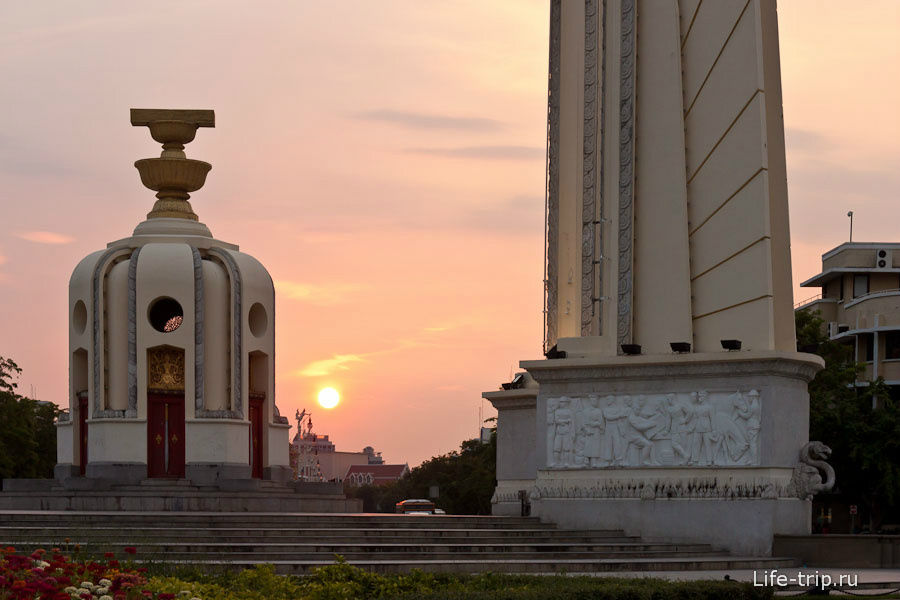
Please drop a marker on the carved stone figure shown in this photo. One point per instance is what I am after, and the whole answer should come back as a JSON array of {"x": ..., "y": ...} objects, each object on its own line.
[
  {"x": 704, "y": 440},
  {"x": 592, "y": 431},
  {"x": 635, "y": 427},
  {"x": 806, "y": 480},
  {"x": 678, "y": 434},
  {"x": 615, "y": 413},
  {"x": 753, "y": 424},
  {"x": 623, "y": 430},
  {"x": 562, "y": 433}
]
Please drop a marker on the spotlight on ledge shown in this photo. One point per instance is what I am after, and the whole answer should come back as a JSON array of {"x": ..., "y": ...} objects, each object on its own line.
[
  {"x": 555, "y": 353},
  {"x": 731, "y": 344},
  {"x": 517, "y": 383},
  {"x": 631, "y": 349},
  {"x": 680, "y": 347}
]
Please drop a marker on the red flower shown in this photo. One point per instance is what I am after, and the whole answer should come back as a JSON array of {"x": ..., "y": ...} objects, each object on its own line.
[
  {"x": 108, "y": 555},
  {"x": 130, "y": 550}
]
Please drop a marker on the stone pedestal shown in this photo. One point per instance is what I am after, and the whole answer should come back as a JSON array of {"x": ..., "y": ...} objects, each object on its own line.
[
  {"x": 516, "y": 461},
  {"x": 678, "y": 448}
]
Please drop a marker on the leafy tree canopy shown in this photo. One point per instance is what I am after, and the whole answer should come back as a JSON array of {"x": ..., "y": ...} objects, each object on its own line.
[
  {"x": 465, "y": 481},
  {"x": 861, "y": 423},
  {"x": 27, "y": 431}
]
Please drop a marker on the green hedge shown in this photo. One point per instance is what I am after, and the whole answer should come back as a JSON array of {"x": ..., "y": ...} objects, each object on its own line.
[{"x": 345, "y": 582}]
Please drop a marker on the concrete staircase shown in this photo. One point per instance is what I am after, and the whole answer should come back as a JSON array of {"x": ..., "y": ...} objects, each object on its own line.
[
  {"x": 178, "y": 495},
  {"x": 296, "y": 543}
]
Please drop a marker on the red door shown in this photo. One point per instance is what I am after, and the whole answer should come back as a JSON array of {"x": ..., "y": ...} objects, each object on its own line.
[
  {"x": 165, "y": 435},
  {"x": 256, "y": 437},
  {"x": 82, "y": 433}
]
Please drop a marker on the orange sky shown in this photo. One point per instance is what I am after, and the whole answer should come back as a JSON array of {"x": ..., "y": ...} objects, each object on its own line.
[{"x": 385, "y": 161}]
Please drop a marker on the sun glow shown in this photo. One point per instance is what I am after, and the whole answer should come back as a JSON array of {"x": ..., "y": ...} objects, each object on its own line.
[{"x": 329, "y": 397}]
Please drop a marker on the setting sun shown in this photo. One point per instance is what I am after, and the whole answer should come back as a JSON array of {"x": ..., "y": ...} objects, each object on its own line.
[{"x": 329, "y": 397}]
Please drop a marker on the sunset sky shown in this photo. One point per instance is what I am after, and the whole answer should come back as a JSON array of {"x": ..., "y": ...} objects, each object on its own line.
[{"x": 385, "y": 161}]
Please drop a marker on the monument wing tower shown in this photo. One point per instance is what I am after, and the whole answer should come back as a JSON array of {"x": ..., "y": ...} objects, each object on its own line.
[
  {"x": 171, "y": 342},
  {"x": 667, "y": 196},
  {"x": 672, "y": 402}
]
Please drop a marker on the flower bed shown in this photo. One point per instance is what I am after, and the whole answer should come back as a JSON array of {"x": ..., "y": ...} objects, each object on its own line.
[{"x": 56, "y": 576}]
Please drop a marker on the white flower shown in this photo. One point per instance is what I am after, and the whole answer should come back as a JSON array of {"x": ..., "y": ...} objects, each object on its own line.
[
  {"x": 87, "y": 585},
  {"x": 105, "y": 597},
  {"x": 41, "y": 564},
  {"x": 70, "y": 589},
  {"x": 105, "y": 582},
  {"x": 195, "y": 598},
  {"x": 101, "y": 590}
]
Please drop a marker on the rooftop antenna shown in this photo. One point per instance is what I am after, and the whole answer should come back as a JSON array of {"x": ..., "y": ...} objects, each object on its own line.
[{"x": 850, "y": 214}]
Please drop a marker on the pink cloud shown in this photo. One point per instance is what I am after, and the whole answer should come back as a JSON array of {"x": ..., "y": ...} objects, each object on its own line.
[{"x": 45, "y": 237}]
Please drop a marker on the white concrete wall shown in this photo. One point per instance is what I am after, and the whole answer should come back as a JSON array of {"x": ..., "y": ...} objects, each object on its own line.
[
  {"x": 216, "y": 336},
  {"x": 117, "y": 441},
  {"x": 165, "y": 270},
  {"x": 662, "y": 290},
  {"x": 279, "y": 442},
  {"x": 737, "y": 191},
  {"x": 117, "y": 337},
  {"x": 711, "y": 240},
  {"x": 217, "y": 441},
  {"x": 80, "y": 290},
  {"x": 65, "y": 443},
  {"x": 571, "y": 136},
  {"x": 257, "y": 287}
]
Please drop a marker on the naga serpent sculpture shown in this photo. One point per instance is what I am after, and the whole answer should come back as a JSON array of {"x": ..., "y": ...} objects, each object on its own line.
[{"x": 807, "y": 481}]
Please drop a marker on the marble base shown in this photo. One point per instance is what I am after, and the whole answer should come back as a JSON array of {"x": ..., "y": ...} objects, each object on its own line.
[
  {"x": 210, "y": 473},
  {"x": 121, "y": 473},
  {"x": 744, "y": 527},
  {"x": 606, "y": 430}
]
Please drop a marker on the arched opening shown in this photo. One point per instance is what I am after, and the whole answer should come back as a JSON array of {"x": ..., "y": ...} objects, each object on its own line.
[
  {"x": 165, "y": 412},
  {"x": 258, "y": 385},
  {"x": 165, "y": 314}
]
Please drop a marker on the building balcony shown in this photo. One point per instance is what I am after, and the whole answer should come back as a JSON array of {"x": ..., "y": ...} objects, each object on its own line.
[{"x": 891, "y": 299}]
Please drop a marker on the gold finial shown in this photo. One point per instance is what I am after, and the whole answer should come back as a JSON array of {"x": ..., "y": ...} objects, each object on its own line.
[{"x": 172, "y": 176}]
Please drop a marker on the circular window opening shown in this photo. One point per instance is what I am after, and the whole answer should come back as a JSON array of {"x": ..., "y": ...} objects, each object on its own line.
[
  {"x": 79, "y": 317},
  {"x": 258, "y": 320},
  {"x": 165, "y": 315}
]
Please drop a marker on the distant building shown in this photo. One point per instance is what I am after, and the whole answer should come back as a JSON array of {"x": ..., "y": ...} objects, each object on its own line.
[
  {"x": 374, "y": 457},
  {"x": 860, "y": 303},
  {"x": 375, "y": 474},
  {"x": 314, "y": 457}
]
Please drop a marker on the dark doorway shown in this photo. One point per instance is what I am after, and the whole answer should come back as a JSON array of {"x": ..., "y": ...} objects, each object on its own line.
[
  {"x": 82, "y": 432},
  {"x": 256, "y": 437},
  {"x": 165, "y": 435}
]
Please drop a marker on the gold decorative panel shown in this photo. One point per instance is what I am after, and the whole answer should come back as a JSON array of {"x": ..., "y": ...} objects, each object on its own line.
[{"x": 165, "y": 369}]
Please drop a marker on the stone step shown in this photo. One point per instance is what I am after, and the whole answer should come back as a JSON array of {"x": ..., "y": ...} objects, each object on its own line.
[
  {"x": 84, "y": 540},
  {"x": 166, "y": 548},
  {"x": 298, "y": 542},
  {"x": 73, "y": 520},
  {"x": 275, "y": 557},
  {"x": 507, "y": 565},
  {"x": 61, "y": 532}
]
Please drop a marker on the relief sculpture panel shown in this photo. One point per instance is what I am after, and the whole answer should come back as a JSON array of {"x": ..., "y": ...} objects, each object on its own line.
[{"x": 676, "y": 429}]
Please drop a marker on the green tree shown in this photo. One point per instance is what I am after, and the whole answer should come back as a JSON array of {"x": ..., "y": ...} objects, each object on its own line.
[
  {"x": 27, "y": 432},
  {"x": 465, "y": 481},
  {"x": 861, "y": 424}
]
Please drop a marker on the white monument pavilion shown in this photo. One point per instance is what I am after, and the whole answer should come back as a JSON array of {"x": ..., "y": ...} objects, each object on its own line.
[
  {"x": 672, "y": 402},
  {"x": 172, "y": 342}
]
